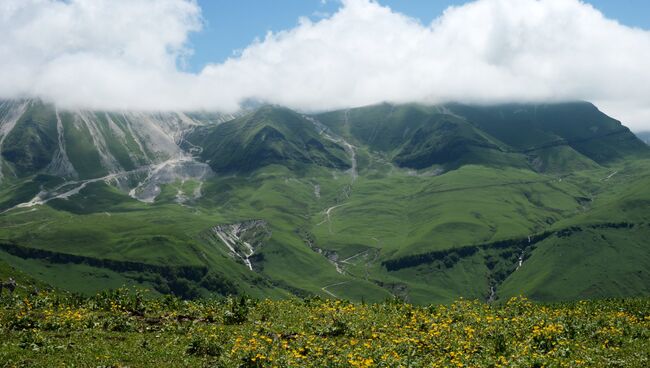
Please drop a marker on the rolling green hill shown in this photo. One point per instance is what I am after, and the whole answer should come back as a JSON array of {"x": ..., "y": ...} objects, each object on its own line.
[
  {"x": 425, "y": 203},
  {"x": 269, "y": 135}
]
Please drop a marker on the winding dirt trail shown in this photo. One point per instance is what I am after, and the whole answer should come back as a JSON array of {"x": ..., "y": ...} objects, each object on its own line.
[
  {"x": 43, "y": 197},
  {"x": 347, "y": 260},
  {"x": 328, "y": 214},
  {"x": 610, "y": 176},
  {"x": 70, "y": 188},
  {"x": 324, "y": 288}
]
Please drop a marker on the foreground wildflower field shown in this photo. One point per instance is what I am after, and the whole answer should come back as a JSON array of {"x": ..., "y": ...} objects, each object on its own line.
[{"x": 125, "y": 328}]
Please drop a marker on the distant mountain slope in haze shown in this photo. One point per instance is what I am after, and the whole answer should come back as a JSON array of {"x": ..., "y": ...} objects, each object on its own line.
[{"x": 644, "y": 136}]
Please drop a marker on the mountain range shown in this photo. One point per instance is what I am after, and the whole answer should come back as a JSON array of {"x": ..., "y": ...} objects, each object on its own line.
[{"x": 424, "y": 203}]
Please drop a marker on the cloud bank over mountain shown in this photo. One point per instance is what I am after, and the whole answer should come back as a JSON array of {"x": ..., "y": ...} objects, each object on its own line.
[{"x": 128, "y": 54}]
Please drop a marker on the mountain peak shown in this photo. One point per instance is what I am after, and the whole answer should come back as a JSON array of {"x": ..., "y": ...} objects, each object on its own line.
[{"x": 269, "y": 135}]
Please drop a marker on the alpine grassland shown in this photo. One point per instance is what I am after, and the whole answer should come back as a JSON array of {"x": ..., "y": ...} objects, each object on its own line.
[{"x": 130, "y": 328}]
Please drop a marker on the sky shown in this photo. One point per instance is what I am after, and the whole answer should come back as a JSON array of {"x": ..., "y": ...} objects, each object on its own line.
[{"x": 315, "y": 55}]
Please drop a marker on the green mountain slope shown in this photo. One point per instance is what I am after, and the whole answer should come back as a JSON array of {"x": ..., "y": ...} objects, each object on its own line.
[
  {"x": 419, "y": 137},
  {"x": 426, "y": 203},
  {"x": 270, "y": 135},
  {"x": 602, "y": 251},
  {"x": 545, "y": 138},
  {"x": 580, "y": 126},
  {"x": 30, "y": 145}
]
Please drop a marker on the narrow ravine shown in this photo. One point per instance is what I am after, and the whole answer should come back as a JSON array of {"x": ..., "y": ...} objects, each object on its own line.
[
  {"x": 351, "y": 151},
  {"x": 493, "y": 294},
  {"x": 60, "y": 164},
  {"x": 330, "y": 136},
  {"x": 243, "y": 238},
  {"x": 353, "y": 159},
  {"x": 230, "y": 239},
  {"x": 520, "y": 259}
]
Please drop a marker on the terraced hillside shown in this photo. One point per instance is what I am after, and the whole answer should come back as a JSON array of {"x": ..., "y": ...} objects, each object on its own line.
[{"x": 426, "y": 203}]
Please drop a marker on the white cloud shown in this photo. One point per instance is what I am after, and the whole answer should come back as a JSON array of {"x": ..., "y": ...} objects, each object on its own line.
[
  {"x": 95, "y": 53},
  {"x": 124, "y": 54}
]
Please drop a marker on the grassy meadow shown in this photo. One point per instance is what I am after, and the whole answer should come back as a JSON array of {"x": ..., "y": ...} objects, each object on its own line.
[{"x": 129, "y": 328}]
